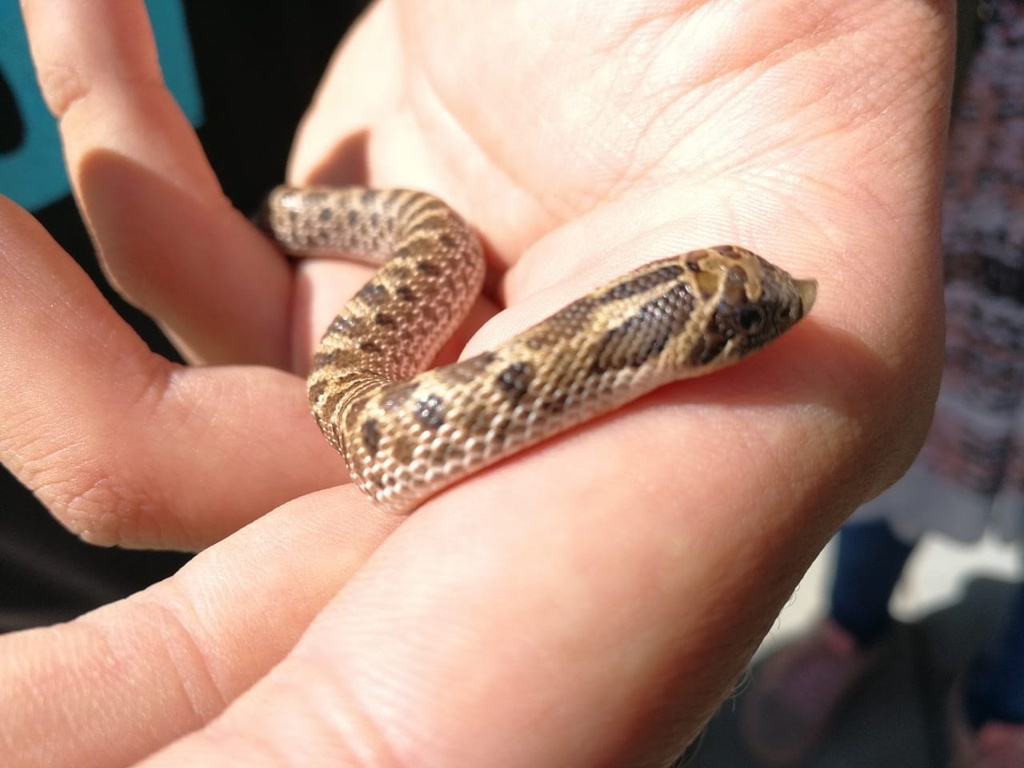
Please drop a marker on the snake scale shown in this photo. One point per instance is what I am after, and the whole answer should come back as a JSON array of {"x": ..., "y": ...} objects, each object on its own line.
[{"x": 406, "y": 433}]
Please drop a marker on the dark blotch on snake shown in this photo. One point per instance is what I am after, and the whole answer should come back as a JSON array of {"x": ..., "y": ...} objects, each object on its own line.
[
  {"x": 645, "y": 333},
  {"x": 707, "y": 347},
  {"x": 515, "y": 380},
  {"x": 324, "y": 410},
  {"x": 369, "y": 346},
  {"x": 414, "y": 249},
  {"x": 346, "y": 325},
  {"x": 373, "y": 293},
  {"x": 447, "y": 241},
  {"x": 428, "y": 268},
  {"x": 640, "y": 284},
  {"x": 430, "y": 412},
  {"x": 326, "y": 214},
  {"x": 405, "y": 293},
  {"x": 326, "y": 390},
  {"x": 383, "y": 319},
  {"x": 573, "y": 317},
  {"x": 352, "y": 218},
  {"x": 403, "y": 449},
  {"x": 405, "y": 203},
  {"x": 433, "y": 219},
  {"x": 371, "y": 436},
  {"x": 429, "y": 313},
  {"x": 720, "y": 329},
  {"x": 336, "y": 357},
  {"x": 556, "y": 402}
]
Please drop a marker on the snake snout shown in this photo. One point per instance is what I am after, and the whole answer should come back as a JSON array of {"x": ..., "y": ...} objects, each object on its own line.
[{"x": 808, "y": 291}]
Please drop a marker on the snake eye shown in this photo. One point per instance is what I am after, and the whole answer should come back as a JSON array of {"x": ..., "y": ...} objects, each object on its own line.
[{"x": 750, "y": 318}]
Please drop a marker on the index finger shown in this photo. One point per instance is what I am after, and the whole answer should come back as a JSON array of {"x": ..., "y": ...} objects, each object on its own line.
[{"x": 168, "y": 237}]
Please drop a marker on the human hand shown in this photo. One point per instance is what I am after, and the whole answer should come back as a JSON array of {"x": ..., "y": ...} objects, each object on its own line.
[{"x": 585, "y": 603}]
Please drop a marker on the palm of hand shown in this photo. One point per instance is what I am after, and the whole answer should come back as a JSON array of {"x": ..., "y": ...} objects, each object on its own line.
[{"x": 581, "y": 141}]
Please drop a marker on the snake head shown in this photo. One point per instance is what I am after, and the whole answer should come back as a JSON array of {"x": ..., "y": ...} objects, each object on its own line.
[{"x": 753, "y": 303}]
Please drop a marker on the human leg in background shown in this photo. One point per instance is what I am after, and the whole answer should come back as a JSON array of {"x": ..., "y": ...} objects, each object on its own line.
[
  {"x": 794, "y": 695},
  {"x": 994, "y": 687},
  {"x": 869, "y": 562},
  {"x": 987, "y": 712}
]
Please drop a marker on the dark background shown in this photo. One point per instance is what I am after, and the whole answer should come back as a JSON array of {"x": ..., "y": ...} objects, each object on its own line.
[{"x": 258, "y": 64}]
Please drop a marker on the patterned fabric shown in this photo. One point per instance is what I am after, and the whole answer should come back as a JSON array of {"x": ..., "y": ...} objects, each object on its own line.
[{"x": 969, "y": 476}]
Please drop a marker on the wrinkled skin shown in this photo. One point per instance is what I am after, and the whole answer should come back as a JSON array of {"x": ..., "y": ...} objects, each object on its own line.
[{"x": 587, "y": 603}]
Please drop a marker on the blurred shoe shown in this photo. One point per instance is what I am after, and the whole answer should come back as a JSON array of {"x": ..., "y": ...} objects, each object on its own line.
[
  {"x": 795, "y": 694},
  {"x": 994, "y": 745}
]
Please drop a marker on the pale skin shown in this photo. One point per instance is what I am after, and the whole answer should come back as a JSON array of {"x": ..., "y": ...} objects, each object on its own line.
[{"x": 587, "y": 603}]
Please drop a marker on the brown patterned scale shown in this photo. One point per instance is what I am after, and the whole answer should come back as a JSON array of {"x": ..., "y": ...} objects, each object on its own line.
[{"x": 407, "y": 433}]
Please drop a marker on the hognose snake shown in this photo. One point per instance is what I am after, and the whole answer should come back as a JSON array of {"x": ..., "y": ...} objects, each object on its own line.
[{"x": 406, "y": 433}]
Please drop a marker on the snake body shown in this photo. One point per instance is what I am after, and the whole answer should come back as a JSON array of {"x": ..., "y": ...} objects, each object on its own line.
[{"x": 407, "y": 433}]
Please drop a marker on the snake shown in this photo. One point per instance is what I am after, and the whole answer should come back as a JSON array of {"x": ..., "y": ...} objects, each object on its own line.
[{"x": 406, "y": 431}]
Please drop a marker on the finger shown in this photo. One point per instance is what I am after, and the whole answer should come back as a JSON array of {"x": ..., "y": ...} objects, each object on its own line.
[
  {"x": 116, "y": 684},
  {"x": 124, "y": 447},
  {"x": 169, "y": 239}
]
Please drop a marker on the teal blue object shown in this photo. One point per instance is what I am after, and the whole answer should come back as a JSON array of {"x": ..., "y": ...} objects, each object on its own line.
[{"x": 32, "y": 174}]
